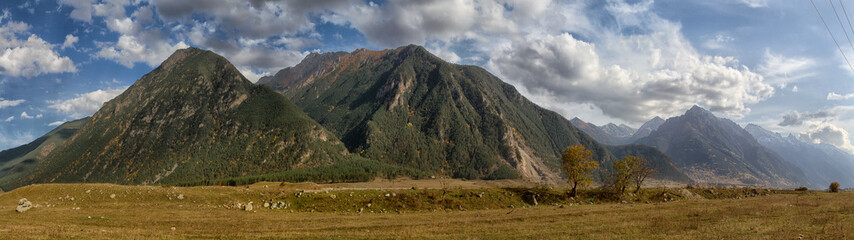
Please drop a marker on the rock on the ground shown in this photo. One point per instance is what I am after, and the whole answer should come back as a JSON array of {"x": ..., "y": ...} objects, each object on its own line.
[
  {"x": 248, "y": 207},
  {"x": 23, "y": 205},
  {"x": 113, "y": 196},
  {"x": 180, "y": 196}
]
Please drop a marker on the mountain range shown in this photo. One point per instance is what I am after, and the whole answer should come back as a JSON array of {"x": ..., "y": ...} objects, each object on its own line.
[
  {"x": 714, "y": 150},
  {"x": 406, "y": 106},
  {"x": 822, "y": 163},
  {"x": 196, "y": 118}
]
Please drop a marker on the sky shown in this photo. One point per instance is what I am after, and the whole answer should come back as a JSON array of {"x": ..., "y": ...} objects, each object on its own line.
[{"x": 768, "y": 62}]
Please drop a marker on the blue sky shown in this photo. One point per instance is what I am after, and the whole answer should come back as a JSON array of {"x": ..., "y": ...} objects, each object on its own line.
[{"x": 768, "y": 62}]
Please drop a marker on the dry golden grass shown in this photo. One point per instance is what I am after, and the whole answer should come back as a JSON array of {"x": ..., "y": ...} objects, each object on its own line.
[{"x": 145, "y": 212}]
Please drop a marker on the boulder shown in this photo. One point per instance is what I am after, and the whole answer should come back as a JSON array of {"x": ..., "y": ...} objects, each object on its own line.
[
  {"x": 180, "y": 196},
  {"x": 23, "y": 205},
  {"x": 248, "y": 207}
]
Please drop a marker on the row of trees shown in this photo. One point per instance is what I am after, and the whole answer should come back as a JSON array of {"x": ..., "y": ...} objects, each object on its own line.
[{"x": 629, "y": 171}]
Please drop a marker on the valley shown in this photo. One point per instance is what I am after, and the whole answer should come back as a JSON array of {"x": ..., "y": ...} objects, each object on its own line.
[{"x": 105, "y": 211}]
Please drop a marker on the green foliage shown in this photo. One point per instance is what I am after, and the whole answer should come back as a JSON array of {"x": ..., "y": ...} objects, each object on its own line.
[
  {"x": 503, "y": 172},
  {"x": 624, "y": 170},
  {"x": 352, "y": 170}
]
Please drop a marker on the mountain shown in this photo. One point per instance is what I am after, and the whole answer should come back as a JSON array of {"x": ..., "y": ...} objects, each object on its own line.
[
  {"x": 646, "y": 129},
  {"x": 595, "y": 132},
  {"x": 821, "y": 163},
  {"x": 195, "y": 117},
  {"x": 20, "y": 161},
  {"x": 618, "y": 131},
  {"x": 712, "y": 150},
  {"x": 664, "y": 167},
  {"x": 408, "y": 107}
]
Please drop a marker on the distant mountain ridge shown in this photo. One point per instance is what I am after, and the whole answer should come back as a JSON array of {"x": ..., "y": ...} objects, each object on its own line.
[
  {"x": 598, "y": 133},
  {"x": 407, "y": 106},
  {"x": 715, "y": 151},
  {"x": 21, "y": 161},
  {"x": 821, "y": 163}
]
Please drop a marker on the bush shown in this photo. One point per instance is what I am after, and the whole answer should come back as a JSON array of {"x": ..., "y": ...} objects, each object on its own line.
[
  {"x": 834, "y": 187},
  {"x": 801, "y": 189}
]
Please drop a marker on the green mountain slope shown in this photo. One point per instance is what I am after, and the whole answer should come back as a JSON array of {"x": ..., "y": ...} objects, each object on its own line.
[
  {"x": 663, "y": 165},
  {"x": 195, "y": 117},
  {"x": 406, "y": 106},
  {"x": 20, "y": 161}
]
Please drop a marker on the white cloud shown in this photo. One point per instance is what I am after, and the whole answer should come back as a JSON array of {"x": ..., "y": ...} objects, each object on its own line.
[
  {"x": 780, "y": 70},
  {"x": 82, "y": 9},
  {"x": 57, "y": 123},
  {"x": 85, "y": 104},
  {"x": 24, "y": 115},
  {"x": 674, "y": 78},
  {"x": 829, "y": 134},
  {"x": 836, "y": 96},
  {"x": 718, "y": 42},
  {"x": 130, "y": 50},
  {"x": 795, "y": 88},
  {"x": 755, "y": 3},
  {"x": 9, "y": 119},
  {"x": 9, "y": 139},
  {"x": 70, "y": 40},
  {"x": 10, "y": 103},
  {"x": 31, "y": 56}
]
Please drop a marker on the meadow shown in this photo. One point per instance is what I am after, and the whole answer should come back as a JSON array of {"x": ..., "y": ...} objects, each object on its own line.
[{"x": 430, "y": 209}]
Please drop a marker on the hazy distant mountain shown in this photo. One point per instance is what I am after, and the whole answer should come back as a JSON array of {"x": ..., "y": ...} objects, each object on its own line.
[
  {"x": 406, "y": 106},
  {"x": 821, "y": 163},
  {"x": 596, "y": 132},
  {"x": 712, "y": 150},
  {"x": 621, "y": 132},
  {"x": 646, "y": 129},
  {"x": 195, "y": 117},
  {"x": 20, "y": 161}
]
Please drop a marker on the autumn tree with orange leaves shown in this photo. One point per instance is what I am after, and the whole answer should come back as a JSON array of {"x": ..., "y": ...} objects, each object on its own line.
[{"x": 576, "y": 163}]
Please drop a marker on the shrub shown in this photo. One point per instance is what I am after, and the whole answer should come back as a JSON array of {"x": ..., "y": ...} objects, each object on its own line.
[
  {"x": 834, "y": 187},
  {"x": 801, "y": 189}
]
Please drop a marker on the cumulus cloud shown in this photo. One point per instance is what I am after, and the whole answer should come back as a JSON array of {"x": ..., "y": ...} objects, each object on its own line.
[
  {"x": 795, "y": 118},
  {"x": 27, "y": 54},
  {"x": 829, "y": 134},
  {"x": 572, "y": 71},
  {"x": 70, "y": 40},
  {"x": 85, "y": 104},
  {"x": 9, "y": 119},
  {"x": 24, "y": 115},
  {"x": 82, "y": 9},
  {"x": 9, "y": 139},
  {"x": 10, "y": 103},
  {"x": 146, "y": 48}
]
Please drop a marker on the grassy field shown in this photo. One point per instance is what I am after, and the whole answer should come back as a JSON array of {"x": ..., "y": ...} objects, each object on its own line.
[{"x": 460, "y": 209}]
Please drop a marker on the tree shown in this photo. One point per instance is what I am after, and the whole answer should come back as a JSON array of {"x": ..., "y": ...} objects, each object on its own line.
[
  {"x": 834, "y": 187},
  {"x": 642, "y": 171},
  {"x": 624, "y": 170},
  {"x": 576, "y": 163}
]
